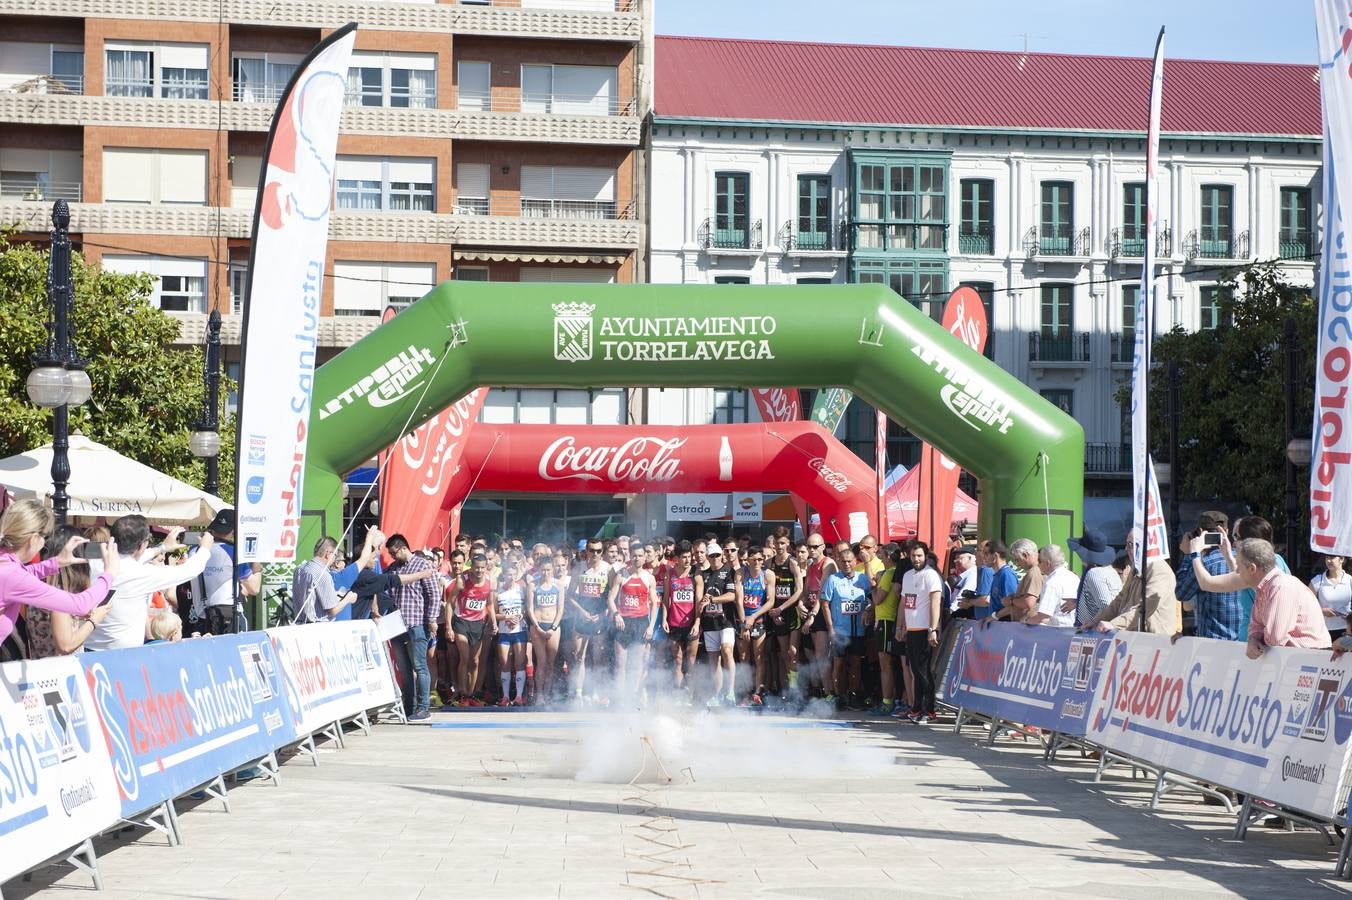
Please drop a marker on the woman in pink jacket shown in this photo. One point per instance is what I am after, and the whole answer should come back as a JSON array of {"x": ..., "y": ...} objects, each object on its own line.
[{"x": 23, "y": 532}]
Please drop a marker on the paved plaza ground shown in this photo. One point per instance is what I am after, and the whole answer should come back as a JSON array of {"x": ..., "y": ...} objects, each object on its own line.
[{"x": 488, "y": 804}]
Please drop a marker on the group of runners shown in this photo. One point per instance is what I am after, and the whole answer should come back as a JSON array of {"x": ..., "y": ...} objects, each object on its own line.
[{"x": 716, "y": 622}]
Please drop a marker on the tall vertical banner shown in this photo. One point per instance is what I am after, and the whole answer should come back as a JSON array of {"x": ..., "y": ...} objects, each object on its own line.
[
  {"x": 965, "y": 319},
  {"x": 829, "y": 407},
  {"x": 282, "y": 305},
  {"x": 1331, "y": 467},
  {"x": 1145, "y": 489},
  {"x": 413, "y": 481}
]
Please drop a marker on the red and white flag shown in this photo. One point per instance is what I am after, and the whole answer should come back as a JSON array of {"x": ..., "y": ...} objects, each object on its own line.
[{"x": 281, "y": 306}]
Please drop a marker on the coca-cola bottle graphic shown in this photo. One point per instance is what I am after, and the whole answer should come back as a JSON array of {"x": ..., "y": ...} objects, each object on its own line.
[{"x": 725, "y": 461}]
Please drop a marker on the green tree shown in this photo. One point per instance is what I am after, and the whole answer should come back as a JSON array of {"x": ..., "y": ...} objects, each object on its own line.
[
  {"x": 146, "y": 394},
  {"x": 1232, "y": 439}
]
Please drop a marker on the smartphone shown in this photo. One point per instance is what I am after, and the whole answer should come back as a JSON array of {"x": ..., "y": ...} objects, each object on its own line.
[
  {"x": 1211, "y": 539},
  {"x": 90, "y": 550},
  {"x": 190, "y": 538},
  {"x": 108, "y": 599}
]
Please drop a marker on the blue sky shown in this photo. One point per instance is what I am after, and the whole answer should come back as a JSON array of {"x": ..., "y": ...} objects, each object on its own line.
[{"x": 1254, "y": 30}]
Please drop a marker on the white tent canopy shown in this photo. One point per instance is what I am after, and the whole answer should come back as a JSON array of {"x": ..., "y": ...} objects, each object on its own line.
[{"x": 105, "y": 483}]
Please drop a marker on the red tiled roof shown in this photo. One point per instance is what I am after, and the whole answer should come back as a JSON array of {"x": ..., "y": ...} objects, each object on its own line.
[{"x": 779, "y": 81}]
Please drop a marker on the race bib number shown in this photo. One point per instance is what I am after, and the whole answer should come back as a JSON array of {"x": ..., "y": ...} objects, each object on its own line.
[
  {"x": 632, "y": 602},
  {"x": 783, "y": 591},
  {"x": 591, "y": 589},
  {"x": 547, "y": 600},
  {"x": 751, "y": 604},
  {"x": 476, "y": 604},
  {"x": 851, "y": 607},
  {"x": 912, "y": 600},
  {"x": 683, "y": 595}
]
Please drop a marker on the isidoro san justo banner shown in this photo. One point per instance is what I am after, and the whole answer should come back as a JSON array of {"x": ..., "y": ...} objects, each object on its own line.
[
  {"x": 85, "y": 740},
  {"x": 1277, "y": 728}
]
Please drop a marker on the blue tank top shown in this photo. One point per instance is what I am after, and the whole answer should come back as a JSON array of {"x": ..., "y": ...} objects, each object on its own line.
[
  {"x": 547, "y": 598},
  {"x": 753, "y": 592}
]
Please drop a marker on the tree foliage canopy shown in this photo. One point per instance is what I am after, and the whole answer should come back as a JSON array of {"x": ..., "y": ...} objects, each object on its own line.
[
  {"x": 1232, "y": 438},
  {"x": 146, "y": 396}
]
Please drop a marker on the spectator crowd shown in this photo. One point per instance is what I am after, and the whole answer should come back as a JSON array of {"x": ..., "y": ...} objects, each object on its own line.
[{"x": 711, "y": 621}]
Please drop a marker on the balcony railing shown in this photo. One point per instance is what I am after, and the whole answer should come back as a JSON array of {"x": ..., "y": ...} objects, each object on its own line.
[
  {"x": 259, "y": 91},
  {"x": 1296, "y": 248},
  {"x": 1060, "y": 347},
  {"x": 976, "y": 243},
  {"x": 1129, "y": 242},
  {"x": 1124, "y": 347},
  {"x": 730, "y": 238},
  {"x": 823, "y": 238},
  {"x": 567, "y": 209},
  {"x": 471, "y": 206},
  {"x": 545, "y": 104},
  {"x": 39, "y": 189},
  {"x": 195, "y": 89},
  {"x": 49, "y": 84},
  {"x": 1060, "y": 241},
  {"x": 1107, "y": 459},
  {"x": 1235, "y": 247},
  {"x": 405, "y": 98},
  {"x": 563, "y": 5}
]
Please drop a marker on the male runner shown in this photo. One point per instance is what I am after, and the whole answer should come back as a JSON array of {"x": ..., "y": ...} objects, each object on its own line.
[
  {"x": 632, "y": 603},
  {"x": 785, "y": 616},
  {"x": 684, "y": 588},
  {"x": 848, "y": 593},
  {"x": 817, "y": 628},
  {"x": 587, "y": 601},
  {"x": 720, "y": 617}
]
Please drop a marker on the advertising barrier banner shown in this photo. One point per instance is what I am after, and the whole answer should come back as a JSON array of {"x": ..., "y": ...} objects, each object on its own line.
[
  {"x": 56, "y": 784},
  {"x": 332, "y": 671},
  {"x": 175, "y": 716},
  {"x": 1276, "y": 728},
  {"x": 1031, "y": 674}
]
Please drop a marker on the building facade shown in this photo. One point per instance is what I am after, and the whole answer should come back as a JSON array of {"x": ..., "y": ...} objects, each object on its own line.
[
  {"x": 481, "y": 140},
  {"x": 1021, "y": 175}
]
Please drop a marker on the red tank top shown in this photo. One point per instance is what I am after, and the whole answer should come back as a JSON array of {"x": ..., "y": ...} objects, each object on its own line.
[
  {"x": 634, "y": 597},
  {"x": 471, "y": 604},
  {"x": 681, "y": 597},
  {"x": 815, "y": 577}
]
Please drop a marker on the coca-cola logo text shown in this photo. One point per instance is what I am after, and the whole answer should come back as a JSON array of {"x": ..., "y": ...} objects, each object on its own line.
[
  {"x": 833, "y": 477},
  {"x": 433, "y": 446},
  {"x": 637, "y": 459}
]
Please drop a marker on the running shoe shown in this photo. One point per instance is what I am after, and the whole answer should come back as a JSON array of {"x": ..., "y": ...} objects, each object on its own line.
[
  {"x": 923, "y": 719},
  {"x": 883, "y": 709},
  {"x": 829, "y": 698},
  {"x": 756, "y": 699},
  {"x": 520, "y": 701},
  {"x": 418, "y": 715},
  {"x": 504, "y": 702}
]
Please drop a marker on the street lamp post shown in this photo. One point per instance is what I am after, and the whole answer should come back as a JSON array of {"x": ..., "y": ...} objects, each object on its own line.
[
  {"x": 1175, "y": 473},
  {"x": 205, "y": 442},
  {"x": 1297, "y": 451},
  {"x": 58, "y": 380}
]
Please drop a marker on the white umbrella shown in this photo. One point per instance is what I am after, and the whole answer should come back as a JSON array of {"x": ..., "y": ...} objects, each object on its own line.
[{"x": 105, "y": 483}]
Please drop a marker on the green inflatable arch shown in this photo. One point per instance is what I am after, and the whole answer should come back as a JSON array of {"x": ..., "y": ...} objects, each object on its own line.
[{"x": 1027, "y": 453}]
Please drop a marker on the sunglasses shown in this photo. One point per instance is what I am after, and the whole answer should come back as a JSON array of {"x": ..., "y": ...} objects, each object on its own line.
[
  {"x": 594, "y": 549},
  {"x": 815, "y": 546}
]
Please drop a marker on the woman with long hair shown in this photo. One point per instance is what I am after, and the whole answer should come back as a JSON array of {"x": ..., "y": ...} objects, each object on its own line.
[
  {"x": 23, "y": 533},
  {"x": 59, "y": 633}
]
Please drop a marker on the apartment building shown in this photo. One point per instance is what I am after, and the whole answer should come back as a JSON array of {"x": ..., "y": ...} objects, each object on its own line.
[
  {"x": 1020, "y": 174},
  {"x": 482, "y": 140}
]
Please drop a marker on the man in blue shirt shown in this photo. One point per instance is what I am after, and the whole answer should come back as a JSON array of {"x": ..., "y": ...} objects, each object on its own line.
[
  {"x": 846, "y": 595},
  {"x": 1217, "y": 615},
  {"x": 1004, "y": 580}
]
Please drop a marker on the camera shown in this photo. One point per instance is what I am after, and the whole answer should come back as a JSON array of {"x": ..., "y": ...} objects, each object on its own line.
[{"x": 1212, "y": 539}]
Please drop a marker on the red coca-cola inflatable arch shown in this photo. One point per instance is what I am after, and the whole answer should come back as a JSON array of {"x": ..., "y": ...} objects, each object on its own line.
[{"x": 799, "y": 457}]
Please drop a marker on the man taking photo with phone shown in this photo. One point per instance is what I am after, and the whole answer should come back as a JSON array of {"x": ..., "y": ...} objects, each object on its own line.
[
  {"x": 1218, "y": 615},
  {"x": 213, "y": 592}
]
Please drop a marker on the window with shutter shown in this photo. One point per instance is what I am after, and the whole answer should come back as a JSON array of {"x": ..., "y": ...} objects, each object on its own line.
[{"x": 473, "y": 83}]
